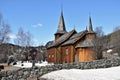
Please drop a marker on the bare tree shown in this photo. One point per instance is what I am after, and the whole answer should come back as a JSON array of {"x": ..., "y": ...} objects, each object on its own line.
[
  {"x": 4, "y": 38},
  {"x": 24, "y": 40},
  {"x": 4, "y": 31},
  {"x": 39, "y": 56},
  {"x": 116, "y": 28},
  {"x": 100, "y": 42},
  {"x": 33, "y": 54},
  {"x": 28, "y": 42},
  {"x": 20, "y": 41},
  {"x": 99, "y": 31},
  {"x": 115, "y": 38}
]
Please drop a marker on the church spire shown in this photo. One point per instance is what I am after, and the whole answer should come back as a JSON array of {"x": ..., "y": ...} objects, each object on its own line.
[
  {"x": 61, "y": 26},
  {"x": 86, "y": 28},
  {"x": 90, "y": 34},
  {"x": 90, "y": 26}
]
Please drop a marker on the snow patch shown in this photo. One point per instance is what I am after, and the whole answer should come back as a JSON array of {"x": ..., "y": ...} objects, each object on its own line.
[
  {"x": 91, "y": 74},
  {"x": 29, "y": 64},
  {"x": 110, "y": 50}
]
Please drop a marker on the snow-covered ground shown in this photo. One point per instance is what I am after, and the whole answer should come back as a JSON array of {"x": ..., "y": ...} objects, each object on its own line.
[
  {"x": 29, "y": 64},
  {"x": 91, "y": 74},
  {"x": 112, "y": 73}
]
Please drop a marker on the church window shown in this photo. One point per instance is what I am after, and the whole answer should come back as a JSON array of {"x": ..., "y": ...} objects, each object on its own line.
[
  {"x": 49, "y": 56},
  {"x": 66, "y": 51},
  {"x": 53, "y": 55}
]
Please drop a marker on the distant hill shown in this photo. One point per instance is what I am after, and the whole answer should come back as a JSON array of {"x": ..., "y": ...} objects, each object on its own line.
[
  {"x": 113, "y": 44},
  {"x": 114, "y": 38},
  {"x": 8, "y": 49}
]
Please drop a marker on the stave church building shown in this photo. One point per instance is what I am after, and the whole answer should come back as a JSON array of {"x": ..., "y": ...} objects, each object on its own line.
[{"x": 72, "y": 46}]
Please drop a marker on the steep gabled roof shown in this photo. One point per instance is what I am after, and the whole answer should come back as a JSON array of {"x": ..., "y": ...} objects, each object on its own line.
[
  {"x": 61, "y": 26},
  {"x": 75, "y": 38},
  {"x": 48, "y": 44},
  {"x": 63, "y": 38},
  {"x": 85, "y": 43}
]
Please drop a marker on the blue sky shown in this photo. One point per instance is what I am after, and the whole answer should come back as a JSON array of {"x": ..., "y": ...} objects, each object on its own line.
[{"x": 41, "y": 17}]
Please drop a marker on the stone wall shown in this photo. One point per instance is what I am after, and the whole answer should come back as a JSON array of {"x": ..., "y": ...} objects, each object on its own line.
[{"x": 36, "y": 72}]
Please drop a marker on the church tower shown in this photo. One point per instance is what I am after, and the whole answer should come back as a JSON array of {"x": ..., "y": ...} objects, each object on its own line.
[
  {"x": 90, "y": 33},
  {"x": 61, "y": 27}
]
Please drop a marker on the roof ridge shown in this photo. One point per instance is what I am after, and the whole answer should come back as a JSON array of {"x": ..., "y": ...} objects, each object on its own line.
[
  {"x": 64, "y": 39},
  {"x": 75, "y": 38}
]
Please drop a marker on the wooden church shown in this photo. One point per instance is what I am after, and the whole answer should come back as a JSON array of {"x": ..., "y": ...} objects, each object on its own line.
[{"x": 72, "y": 46}]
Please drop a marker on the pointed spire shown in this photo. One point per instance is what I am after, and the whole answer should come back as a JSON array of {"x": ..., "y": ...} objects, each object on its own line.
[
  {"x": 86, "y": 28},
  {"x": 74, "y": 27},
  {"x": 90, "y": 25},
  {"x": 61, "y": 25}
]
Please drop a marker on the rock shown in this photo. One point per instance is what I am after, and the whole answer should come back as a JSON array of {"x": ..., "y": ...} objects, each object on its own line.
[
  {"x": 3, "y": 78},
  {"x": 26, "y": 73},
  {"x": 21, "y": 79},
  {"x": 15, "y": 77},
  {"x": 20, "y": 73}
]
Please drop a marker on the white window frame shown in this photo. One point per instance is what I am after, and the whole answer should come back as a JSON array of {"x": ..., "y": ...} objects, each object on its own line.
[
  {"x": 49, "y": 56},
  {"x": 53, "y": 56},
  {"x": 66, "y": 51}
]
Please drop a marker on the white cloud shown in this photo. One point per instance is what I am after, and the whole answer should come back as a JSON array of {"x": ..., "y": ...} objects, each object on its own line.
[
  {"x": 12, "y": 36},
  {"x": 35, "y": 40},
  {"x": 37, "y": 25}
]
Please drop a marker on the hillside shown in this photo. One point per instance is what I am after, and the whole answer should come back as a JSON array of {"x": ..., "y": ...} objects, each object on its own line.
[
  {"x": 113, "y": 42},
  {"x": 8, "y": 49},
  {"x": 114, "y": 38}
]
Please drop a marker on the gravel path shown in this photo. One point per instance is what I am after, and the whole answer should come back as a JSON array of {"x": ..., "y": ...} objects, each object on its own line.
[{"x": 6, "y": 67}]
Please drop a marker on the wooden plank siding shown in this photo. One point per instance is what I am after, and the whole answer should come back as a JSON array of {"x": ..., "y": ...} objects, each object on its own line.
[
  {"x": 51, "y": 55},
  {"x": 85, "y": 54},
  {"x": 58, "y": 55},
  {"x": 67, "y": 58},
  {"x": 90, "y": 36}
]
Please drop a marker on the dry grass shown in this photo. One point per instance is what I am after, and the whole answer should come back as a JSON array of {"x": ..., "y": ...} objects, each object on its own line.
[{"x": 6, "y": 67}]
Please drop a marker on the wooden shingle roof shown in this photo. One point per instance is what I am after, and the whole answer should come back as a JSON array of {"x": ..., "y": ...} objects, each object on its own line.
[
  {"x": 49, "y": 43},
  {"x": 75, "y": 38},
  {"x": 62, "y": 39},
  {"x": 86, "y": 43}
]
